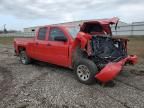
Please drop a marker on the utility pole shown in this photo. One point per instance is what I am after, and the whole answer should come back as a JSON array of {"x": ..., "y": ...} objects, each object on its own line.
[
  {"x": 5, "y": 30},
  {"x": 132, "y": 29}
]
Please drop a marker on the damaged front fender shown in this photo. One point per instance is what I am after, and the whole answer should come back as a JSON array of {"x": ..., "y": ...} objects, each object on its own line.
[{"x": 82, "y": 40}]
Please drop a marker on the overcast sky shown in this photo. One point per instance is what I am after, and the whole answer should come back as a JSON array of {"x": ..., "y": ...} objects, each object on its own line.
[{"x": 18, "y": 14}]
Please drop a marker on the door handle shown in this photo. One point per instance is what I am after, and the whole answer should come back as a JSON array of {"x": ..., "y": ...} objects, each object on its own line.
[{"x": 49, "y": 44}]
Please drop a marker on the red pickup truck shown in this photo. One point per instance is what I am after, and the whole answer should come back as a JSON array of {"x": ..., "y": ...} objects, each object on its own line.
[{"x": 89, "y": 49}]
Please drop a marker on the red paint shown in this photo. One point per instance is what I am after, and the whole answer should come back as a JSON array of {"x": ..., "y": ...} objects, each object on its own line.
[
  {"x": 60, "y": 53},
  {"x": 111, "y": 70}
]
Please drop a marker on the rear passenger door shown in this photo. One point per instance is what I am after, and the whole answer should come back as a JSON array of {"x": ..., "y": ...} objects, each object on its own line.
[{"x": 41, "y": 44}]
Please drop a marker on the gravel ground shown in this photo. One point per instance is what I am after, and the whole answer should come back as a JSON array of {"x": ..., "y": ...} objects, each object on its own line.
[{"x": 41, "y": 85}]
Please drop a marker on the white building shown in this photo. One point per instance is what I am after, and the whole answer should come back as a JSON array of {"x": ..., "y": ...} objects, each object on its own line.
[{"x": 123, "y": 29}]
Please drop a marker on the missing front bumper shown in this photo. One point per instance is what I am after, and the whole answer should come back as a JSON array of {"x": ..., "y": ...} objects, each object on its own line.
[{"x": 111, "y": 70}]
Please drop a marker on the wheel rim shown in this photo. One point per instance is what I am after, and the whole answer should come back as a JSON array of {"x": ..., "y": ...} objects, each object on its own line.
[
  {"x": 83, "y": 72},
  {"x": 23, "y": 58}
]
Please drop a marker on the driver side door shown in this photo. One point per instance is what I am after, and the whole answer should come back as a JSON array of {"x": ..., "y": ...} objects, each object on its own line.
[{"x": 58, "y": 50}]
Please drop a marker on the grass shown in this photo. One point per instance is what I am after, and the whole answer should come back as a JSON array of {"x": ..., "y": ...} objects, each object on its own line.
[
  {"x": 6, "y": 40},
  {"x": 135, "y": 45}
]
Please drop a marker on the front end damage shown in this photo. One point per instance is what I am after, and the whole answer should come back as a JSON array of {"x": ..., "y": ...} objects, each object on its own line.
[
  {"x": 112, "y": 69},
  {"x": 108, "y": 53}
]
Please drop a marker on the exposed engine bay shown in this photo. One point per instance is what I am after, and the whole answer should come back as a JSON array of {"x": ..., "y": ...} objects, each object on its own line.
[
  {"x": 107, "y": 49},
  {"x": 106, "y": 55},
  {"x": 104, "y": 48}
]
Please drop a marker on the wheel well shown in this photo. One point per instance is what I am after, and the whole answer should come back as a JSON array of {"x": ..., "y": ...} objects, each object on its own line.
[
  {"x": 77, "y": 54},
  {"x": 20, "y": 48}
]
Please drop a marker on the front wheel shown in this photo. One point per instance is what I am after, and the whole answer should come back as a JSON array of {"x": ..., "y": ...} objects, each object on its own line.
[
  {"x": 24, "y": 58},
  {"x": 85, "y": 71}
]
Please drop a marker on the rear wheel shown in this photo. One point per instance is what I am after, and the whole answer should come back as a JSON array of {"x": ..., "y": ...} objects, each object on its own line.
[
  {"x": 24, "y": 58},
  {"x": 85, "y": 71}
]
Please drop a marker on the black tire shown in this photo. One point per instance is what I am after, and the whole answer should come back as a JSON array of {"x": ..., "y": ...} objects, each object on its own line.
[
  {"x": 88, "y": 69},
  {"x": 77, "y": 55},
  {"x": 24, "y": 58}
]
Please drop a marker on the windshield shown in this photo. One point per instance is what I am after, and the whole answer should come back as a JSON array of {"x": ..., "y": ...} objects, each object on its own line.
[{"x": 73, "y": 30}]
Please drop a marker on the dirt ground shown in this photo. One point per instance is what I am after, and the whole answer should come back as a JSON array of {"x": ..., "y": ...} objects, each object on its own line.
[{"x": 41, "y": 85}]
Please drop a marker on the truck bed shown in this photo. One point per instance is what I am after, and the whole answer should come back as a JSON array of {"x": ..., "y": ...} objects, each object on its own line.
[{"x": 23, "y": 41}]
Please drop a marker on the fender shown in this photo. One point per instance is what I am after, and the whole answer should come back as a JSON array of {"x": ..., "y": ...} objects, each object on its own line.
[{"x": 82, "y": 40}]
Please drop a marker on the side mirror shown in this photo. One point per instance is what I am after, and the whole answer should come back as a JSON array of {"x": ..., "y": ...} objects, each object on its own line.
[{"x": 60, "y": 38}]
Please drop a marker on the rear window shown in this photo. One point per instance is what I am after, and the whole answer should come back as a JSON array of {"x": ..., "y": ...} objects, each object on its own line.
[{"x": 73, "y": 31}]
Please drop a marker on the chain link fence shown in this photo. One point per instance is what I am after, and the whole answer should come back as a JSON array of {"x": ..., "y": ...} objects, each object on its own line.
[{"x": 129, "y": 30}]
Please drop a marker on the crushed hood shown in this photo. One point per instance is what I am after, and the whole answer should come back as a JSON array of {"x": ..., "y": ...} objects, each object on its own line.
[
  {"x": 101, "y": 24},
  {"x": 109, "y": 21}
]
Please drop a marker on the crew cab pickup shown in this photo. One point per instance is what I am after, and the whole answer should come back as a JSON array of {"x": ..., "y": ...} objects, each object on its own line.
[{"x": 89, "y": 49}]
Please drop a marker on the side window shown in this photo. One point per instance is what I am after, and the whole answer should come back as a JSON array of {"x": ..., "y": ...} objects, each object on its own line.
[
  {"x": 42, "y": 33},
  {"x": 55, "y": 32}
]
